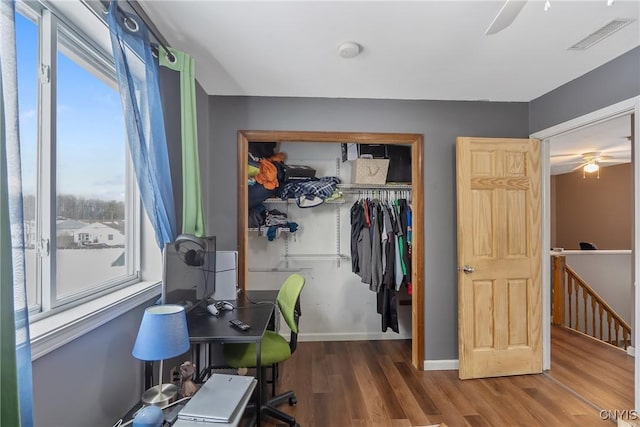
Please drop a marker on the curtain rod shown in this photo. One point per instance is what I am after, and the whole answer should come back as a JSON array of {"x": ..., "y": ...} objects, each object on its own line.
[{"x": 160, "y": 40}]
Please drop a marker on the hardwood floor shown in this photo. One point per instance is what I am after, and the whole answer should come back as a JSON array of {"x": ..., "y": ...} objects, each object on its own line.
[
  {"x": 372, "y": 383},
  {"x": 598, "y": 372}
]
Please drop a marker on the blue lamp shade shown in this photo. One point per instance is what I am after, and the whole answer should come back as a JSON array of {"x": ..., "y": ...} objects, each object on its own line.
[{"x": 163, "y": 333}]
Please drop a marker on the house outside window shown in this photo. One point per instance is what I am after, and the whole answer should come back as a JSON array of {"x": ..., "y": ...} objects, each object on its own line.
[{"x": 78, "y": 185}]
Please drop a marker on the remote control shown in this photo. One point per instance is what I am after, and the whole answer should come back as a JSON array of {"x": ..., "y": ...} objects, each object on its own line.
[{"x": 239, "y": 324}]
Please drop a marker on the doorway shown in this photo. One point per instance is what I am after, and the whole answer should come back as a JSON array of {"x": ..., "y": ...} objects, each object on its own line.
[
  {"x": 591, "y": 206},
  {"x": 628, "y": 108},
  {"x": 415, "y": 141}
]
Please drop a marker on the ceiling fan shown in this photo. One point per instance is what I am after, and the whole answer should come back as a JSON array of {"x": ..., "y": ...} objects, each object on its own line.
[
  {"x": 590, "y": 162},
  {"x": 507, "y": 14},
  {"x": 592, "y": 157}
]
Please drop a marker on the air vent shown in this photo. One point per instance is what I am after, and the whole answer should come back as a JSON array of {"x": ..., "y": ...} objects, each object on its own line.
[{"x": 601, "y": 33}]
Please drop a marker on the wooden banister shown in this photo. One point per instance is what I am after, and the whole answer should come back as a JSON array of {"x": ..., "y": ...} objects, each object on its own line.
[
  {"x": 558, "y": 290},
  {"x": 567, "y": 287}
]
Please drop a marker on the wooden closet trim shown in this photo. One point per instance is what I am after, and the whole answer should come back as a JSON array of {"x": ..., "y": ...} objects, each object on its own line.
[{"x": 417, "y": 258}]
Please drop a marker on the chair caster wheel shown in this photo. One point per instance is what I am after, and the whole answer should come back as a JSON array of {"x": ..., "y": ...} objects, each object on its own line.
[{"x": 293, "y": 401}]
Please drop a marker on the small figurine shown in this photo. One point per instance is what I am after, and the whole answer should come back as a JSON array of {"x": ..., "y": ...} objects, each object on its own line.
[{"x": 188, "y": 388}]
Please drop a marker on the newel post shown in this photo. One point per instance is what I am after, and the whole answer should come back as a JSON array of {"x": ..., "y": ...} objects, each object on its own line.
[{"x": 558, "y": 289}]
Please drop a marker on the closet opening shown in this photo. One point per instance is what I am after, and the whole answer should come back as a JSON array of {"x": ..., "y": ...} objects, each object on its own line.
[{"x": 414, "y": 141}]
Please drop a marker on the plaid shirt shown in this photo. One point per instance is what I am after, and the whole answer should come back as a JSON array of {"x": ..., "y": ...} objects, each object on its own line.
[{"x": 321, "y": 187}]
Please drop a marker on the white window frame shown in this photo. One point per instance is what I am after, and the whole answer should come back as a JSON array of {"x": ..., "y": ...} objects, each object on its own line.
[{"x": 53, "y": 27}]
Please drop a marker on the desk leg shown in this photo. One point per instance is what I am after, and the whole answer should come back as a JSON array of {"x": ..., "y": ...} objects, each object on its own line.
[
  {"x": 195, "y": 358},
  {"x": 148, "y": 375},
  {"x": 260, "y": 379}
]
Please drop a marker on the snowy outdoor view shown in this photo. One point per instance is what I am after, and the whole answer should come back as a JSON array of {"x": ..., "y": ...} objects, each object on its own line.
[{"x": 90, "y": 177}]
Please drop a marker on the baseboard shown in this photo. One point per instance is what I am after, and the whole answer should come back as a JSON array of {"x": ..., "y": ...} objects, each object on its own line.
[
  {"x": 441, "y": 365},
  {"x": 631, "y": 351},
  {"x": 352, "y": 336}
]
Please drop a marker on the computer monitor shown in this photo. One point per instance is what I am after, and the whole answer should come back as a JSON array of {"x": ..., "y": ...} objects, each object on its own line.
[{"x": 189, "y": 266}]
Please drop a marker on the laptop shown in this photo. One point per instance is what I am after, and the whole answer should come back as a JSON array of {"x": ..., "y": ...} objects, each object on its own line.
[{"x": 218, "y": 399}]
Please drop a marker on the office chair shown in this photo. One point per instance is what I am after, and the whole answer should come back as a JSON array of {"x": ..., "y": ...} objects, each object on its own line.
[
  {"x": 588, "y": 246},
  {"x": 274, "y": 348}
]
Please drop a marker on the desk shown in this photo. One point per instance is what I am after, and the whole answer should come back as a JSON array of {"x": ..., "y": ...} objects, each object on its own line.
[
  {"x": 170, "y": 414},
  {"x": 235, "y": 421},
  {"x": 255, "y": 308}
]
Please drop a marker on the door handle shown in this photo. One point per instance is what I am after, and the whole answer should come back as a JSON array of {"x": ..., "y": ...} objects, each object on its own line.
[{"x": 466, "y": 269}]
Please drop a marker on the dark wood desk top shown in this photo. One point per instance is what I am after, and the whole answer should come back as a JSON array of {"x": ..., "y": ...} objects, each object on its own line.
[{"x": 254, "y": 308}]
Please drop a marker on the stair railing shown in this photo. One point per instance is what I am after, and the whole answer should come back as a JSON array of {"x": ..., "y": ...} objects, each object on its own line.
[{"x": 577, "y": 306}]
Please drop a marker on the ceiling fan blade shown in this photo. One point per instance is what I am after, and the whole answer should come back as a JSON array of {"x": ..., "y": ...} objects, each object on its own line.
[
  {"x": 557, "y": 156},
  {"x": 510, "y": 9},
  {"x": 572, "y": 162},
  {"x": 615, "y": 160},
  {"x": 618, "y": 153}
]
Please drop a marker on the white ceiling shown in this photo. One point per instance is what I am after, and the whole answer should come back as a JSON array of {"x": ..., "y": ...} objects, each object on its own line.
[
  {"x": 411, "y": 50},
  {"x": 611, "y": 138}
]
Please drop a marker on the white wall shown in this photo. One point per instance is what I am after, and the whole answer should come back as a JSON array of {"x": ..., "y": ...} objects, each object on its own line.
[
  {"x": 609, "y": 274},
  {"x": 335, "y": 304}
]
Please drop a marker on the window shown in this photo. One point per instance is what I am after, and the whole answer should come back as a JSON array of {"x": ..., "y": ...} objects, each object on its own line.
[{"x": 79, "y": 210}]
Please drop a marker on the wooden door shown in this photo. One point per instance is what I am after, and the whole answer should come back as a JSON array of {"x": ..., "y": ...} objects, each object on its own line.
[{"x": 499, "y": 278}]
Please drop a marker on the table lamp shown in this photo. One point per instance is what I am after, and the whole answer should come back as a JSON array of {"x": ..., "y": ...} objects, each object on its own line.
[{"x": 163, "y": 334}]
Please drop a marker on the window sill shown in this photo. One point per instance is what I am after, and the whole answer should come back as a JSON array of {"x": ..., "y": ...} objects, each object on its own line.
[{"x": 59, "y": 329}]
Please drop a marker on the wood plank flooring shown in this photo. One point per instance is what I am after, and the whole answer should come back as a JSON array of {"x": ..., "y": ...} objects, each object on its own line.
[
  {"x": 598, "y": 372},
  {"x": 372, "y": 383}
]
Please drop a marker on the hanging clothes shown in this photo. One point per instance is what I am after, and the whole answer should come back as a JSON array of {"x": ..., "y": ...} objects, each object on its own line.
[
  {"x": 386, "y": 297},
  {"x": 365, "y": 245},
  {"x": 381, "y": 252},
  {"x": 357, "y": 222},
  {"x": 397, "y": 233},
  {"x": 377, "y": 224}
]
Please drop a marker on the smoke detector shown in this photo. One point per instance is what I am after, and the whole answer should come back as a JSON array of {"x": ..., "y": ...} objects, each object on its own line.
[{"x": 349, "y": 49}]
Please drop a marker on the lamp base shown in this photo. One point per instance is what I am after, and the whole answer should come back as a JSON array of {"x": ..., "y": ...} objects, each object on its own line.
[{"x": 160, "y": 395}]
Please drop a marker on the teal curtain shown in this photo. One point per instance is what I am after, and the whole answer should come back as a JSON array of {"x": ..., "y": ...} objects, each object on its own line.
[
  {"x": 192, "y": 207},
  {"x": 16, "y": 403}
]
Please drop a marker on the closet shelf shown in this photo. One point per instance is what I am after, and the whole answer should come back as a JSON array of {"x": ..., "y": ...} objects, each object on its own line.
[
  {"x": 315, "y": 257},
  {"x": 275, "y": 200},
  {"x": 277, "y": 270},
  {"x": 282, "y": 229},
  {"x": 389, "y": 186}
]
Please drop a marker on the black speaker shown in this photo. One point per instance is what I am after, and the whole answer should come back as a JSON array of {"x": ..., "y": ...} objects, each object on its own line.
[{"x": 192, "y": 257}]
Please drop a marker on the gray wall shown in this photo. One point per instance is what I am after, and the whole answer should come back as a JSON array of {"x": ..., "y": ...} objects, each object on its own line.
[
  {"x": 439, "y": 121},
  {"x": 170, "y": 93},
  {"x": 615, "y": 81},
  {"x": 93, "y": 380}
]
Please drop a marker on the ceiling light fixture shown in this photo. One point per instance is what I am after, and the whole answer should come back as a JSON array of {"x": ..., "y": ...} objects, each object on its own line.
[
  {"x": 591, "y": 167},
  {"x": 547, "y": 5},
  {"x": 609, "y": 2},
  {"x": 349, "y": 49}
]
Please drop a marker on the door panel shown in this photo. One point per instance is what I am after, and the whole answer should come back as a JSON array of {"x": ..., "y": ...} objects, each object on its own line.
[{"x": 499, "y": 234}]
